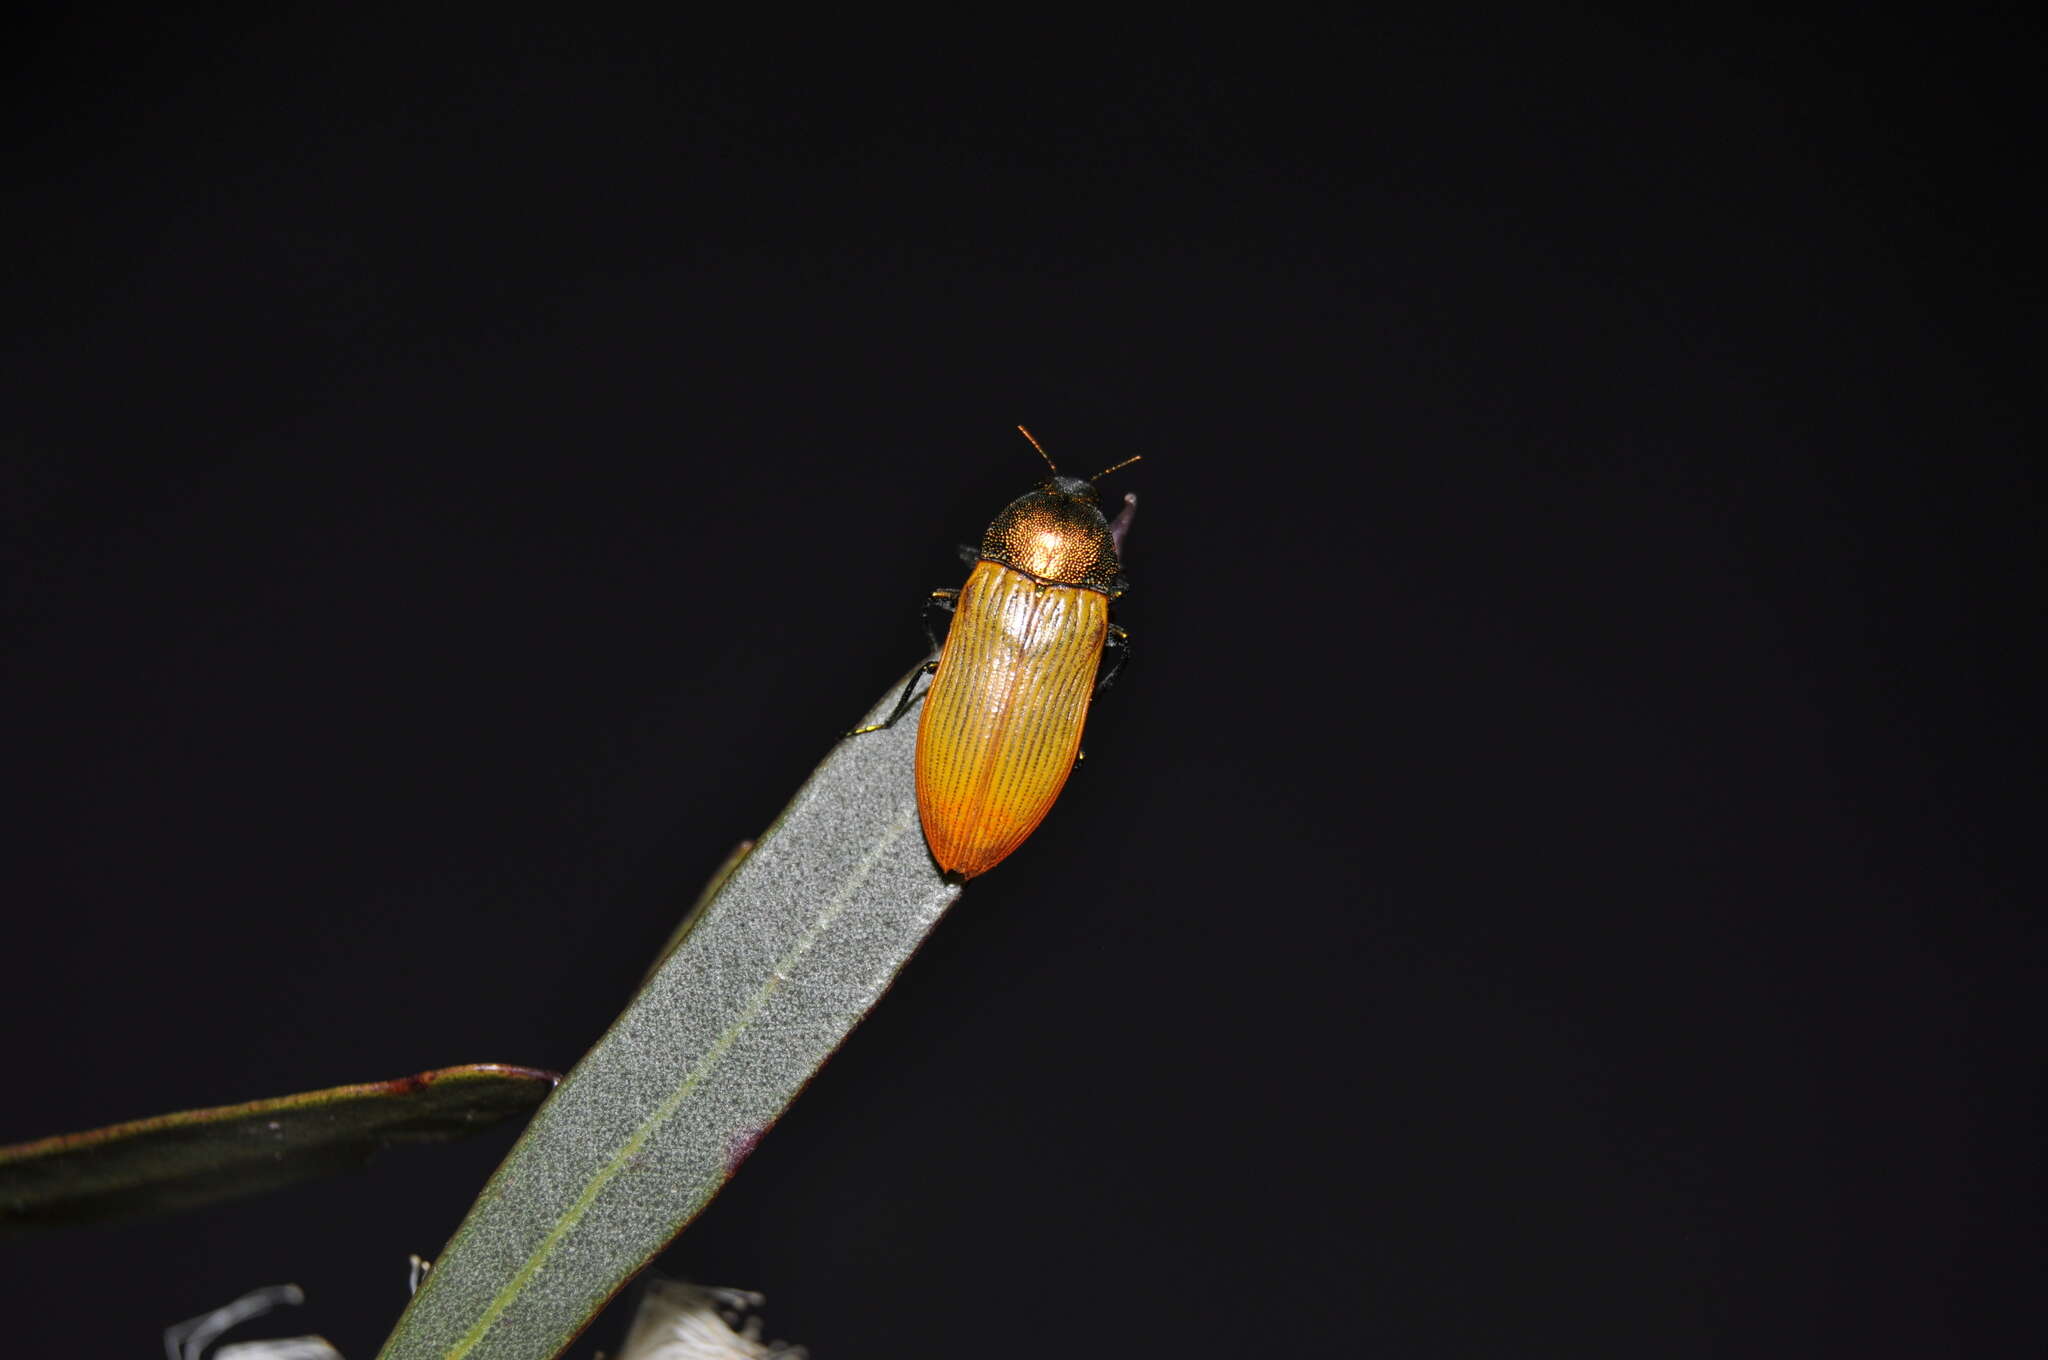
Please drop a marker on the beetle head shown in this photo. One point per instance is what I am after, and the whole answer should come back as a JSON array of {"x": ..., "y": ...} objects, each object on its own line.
[{"x": 1078, "y": 488}]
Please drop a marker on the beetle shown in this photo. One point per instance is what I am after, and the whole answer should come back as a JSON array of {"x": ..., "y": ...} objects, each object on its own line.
[{"x": 1001, "y": 727}]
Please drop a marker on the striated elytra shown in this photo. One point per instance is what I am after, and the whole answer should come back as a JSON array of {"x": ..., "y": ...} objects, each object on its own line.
[{"x": 1002, "y": 718}]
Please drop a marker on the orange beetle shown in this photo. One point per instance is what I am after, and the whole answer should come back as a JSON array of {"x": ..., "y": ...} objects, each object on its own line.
[{"x": 1009, "y": 694}]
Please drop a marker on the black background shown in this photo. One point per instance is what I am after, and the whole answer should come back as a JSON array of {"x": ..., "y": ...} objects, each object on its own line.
[{"x": 1549, "y": 882}]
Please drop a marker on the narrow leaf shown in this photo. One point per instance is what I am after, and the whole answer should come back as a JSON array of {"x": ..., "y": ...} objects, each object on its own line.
[
  {"x": 194, "y": 1157},
  {"x": 793, "y": 950}
]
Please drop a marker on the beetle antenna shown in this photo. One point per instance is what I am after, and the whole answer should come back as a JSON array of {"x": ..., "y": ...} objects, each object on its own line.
[
  {"x": 1041, "y": 450},
  {"x": 1124, "y": 464}
]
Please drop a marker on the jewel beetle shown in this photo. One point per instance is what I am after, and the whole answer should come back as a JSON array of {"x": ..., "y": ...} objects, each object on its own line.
[{"x": 1001, "y": 727}]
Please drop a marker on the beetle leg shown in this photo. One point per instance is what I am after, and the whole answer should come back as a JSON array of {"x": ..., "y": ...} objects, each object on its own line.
[
  {"x": 903, "y": 704},
  {"x": 1120, "y": 640},
  {"x": 939, "y": 599}
]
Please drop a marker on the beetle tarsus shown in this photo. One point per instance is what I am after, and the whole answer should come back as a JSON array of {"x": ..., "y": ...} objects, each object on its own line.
[{"x": 903, "y": 704}]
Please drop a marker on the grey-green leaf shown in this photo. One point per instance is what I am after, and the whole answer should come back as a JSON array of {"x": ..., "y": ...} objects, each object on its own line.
[
  {"x": 195, "y": 1157},
  {"x": 793, "y": 950}
]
